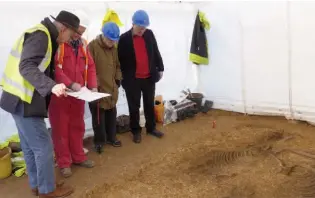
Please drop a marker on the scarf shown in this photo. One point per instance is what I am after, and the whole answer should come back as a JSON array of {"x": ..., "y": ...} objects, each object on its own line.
[{"x": 75, "y": 45}]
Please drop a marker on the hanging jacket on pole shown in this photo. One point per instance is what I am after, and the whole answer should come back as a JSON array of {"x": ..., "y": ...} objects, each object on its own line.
[
  {"x": 199, "y": 45},
  {"x": 111, "y": 16}
]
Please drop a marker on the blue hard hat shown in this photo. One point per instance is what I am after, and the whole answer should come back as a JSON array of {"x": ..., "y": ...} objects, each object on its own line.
[
  {"x": 141, "y": 18},
  {"x": 111, "y": 31}
]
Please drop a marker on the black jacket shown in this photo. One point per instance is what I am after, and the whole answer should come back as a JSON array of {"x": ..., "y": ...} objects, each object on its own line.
[
  {"x": 199, "y": 46},
  {"x": 34, "y": 50},
  {"x": 127, "y": 58}
]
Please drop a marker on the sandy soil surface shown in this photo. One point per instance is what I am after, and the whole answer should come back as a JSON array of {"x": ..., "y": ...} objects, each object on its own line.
[{"x": 242, "y": 157}]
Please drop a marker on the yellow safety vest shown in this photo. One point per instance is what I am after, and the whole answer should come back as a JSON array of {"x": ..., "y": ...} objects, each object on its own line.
[{"x": 12, "y": 81}]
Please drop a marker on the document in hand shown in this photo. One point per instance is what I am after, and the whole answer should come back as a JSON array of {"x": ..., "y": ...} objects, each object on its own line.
[{"x": 87, "y": 95}]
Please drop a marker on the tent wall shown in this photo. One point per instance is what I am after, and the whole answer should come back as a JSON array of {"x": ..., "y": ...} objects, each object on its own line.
[
  {"x": 261, "y": 53},
  {"x": 262, "y": 58},
  {"x": 173, "y": 42}
]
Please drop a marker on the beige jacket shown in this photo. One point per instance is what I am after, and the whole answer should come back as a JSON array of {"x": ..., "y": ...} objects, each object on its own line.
[{"x": 107, "y": 71}]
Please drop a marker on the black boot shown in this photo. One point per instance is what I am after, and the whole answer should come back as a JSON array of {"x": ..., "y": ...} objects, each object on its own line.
[
  {"x": 99, "y": 148},
  {"x": 115, "y": 143},
  {"x": 137, "y": 138},
  {"x": 156, "y": 133}
]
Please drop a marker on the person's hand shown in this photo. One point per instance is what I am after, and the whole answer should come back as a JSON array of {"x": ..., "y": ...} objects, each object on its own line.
[
  {"x": 94, "y": 90},
  {"x": 59, "y": 90},
  {"x": 75, "y": 86},
  {"x": 161, "y": 75}
]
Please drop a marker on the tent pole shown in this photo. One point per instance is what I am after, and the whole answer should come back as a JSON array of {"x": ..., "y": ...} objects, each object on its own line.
[
  {"x": 289, "y": 59},
  {"x": 243, "y": 74}
]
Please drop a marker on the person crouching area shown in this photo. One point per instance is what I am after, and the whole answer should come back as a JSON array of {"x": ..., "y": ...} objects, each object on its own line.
[
  {"x": 75, "y": 68},
  {"x": 104, "y": 52}
]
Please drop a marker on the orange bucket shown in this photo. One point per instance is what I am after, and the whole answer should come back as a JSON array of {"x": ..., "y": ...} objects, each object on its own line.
[{"x": 159, "y": 109}]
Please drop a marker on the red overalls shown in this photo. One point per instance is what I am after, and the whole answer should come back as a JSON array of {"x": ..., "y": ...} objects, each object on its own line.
[{"x": 66, "y": 114}]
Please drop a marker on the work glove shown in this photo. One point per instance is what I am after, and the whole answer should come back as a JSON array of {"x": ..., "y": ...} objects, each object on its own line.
[
  {"x": 75, "y": 86},
  {"x": 118, "y": 83}
]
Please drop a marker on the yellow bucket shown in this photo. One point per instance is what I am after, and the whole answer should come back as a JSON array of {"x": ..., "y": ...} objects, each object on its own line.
[{"x": 5, "y": 163}]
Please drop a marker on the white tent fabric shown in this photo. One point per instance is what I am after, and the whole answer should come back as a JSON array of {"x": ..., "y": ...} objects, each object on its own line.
[
  {"x": 261, "y": 53},
  {"x": 173, "y": 42},
  {"x": 261, "y": 58}
]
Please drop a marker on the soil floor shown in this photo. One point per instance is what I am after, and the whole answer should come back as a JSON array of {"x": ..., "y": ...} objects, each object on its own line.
[{"x": 242, "y": 157}]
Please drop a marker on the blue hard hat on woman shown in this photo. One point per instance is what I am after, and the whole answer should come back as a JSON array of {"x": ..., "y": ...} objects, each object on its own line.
[
  {"x": 141, "y": 18},
  {"x": 111, "y": 31}
]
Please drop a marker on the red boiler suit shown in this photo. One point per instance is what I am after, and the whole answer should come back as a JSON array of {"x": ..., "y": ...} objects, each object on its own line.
[{"x": 66, "y": 114}]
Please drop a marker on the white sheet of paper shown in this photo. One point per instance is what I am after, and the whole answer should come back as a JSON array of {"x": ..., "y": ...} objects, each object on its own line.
[{"x": 87, "y": 95}]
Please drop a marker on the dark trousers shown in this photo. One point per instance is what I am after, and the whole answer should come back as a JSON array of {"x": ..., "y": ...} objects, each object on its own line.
[
  {"x": 104, "y": 124},
  {"x": 133, "y": 94}
]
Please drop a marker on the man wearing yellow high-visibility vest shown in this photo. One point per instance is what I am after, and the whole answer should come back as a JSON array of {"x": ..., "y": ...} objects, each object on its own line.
[{"x": 27, "y": 83}]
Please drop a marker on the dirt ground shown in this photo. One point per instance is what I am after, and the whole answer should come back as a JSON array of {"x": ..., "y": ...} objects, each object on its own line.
[{"x": 242, "y": 157}]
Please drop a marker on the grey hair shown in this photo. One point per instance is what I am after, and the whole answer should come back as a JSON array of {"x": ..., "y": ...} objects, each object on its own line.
[{"x": 59, "y": 25}]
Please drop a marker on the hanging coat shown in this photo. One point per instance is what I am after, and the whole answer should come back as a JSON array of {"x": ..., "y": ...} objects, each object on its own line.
[
  {"x": 199, "y": 45},
  {"x": 111, "y": 16}
]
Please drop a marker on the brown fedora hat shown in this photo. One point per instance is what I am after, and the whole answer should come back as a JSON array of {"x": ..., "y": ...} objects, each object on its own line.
[{"x": 68, "y": 19}]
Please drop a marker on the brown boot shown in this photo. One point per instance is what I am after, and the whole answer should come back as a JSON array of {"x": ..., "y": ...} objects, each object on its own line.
[
  {"x": 58, "y": 184},
  {"x": 60, "y": 192},
  {"x": 66, "y": 172},
  {"x": 86, "y": 164}
]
